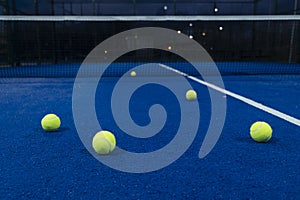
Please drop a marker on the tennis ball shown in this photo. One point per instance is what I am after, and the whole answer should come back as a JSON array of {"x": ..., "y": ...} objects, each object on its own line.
[
  {"x": 133, "y": 73},
  {"x": 104, "y": 142},
  {"x": 191, "y": 95},
  {"x": 50, "y": 122},
  {"x": 261, "y": 131}
]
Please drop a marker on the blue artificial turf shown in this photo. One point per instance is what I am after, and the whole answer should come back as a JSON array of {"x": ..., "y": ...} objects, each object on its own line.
[{"x": 40, "y": 165}]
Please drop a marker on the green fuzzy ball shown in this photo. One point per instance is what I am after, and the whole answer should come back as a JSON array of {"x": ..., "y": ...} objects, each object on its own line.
[
  {"x": 50, "y": 122},
  {"x": 261, "y": 131}
]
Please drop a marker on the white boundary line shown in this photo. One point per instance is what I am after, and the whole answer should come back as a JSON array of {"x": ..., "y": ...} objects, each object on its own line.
[
  {"x": 239, "y": 97},
  {"x": 150, "y": 18}
]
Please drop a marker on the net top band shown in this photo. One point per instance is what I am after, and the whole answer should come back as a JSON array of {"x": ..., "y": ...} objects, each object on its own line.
[{"x": 152, "y": 18}]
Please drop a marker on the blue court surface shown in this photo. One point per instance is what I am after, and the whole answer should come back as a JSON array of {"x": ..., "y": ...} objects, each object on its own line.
[{"x": 40, "y": 165}]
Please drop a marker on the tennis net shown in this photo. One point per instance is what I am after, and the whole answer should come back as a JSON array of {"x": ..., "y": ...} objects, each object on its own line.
[{"x": 57, "y": 45}]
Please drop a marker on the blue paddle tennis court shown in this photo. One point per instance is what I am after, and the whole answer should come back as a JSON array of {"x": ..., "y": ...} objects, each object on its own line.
[{"x": 41, "y": 165}]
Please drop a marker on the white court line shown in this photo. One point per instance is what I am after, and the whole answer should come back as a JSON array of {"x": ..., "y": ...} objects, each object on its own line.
[{"x": 260, "y": 106}]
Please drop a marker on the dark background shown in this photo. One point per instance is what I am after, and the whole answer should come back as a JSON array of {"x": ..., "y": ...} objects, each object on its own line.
[{"x": 27, "y": 43}]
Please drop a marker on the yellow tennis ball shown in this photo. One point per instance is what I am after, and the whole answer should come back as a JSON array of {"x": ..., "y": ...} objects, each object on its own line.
[
  {"x": 133, "y": 73},
  {"x": 261, "y": 131},
  {"x": 50, "y": 122},
  {"x": 104, "y": 142},
  {"x": 191, "y": 95}
]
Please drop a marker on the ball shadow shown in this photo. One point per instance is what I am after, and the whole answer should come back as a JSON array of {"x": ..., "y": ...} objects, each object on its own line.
[
  {"x": 249, "y": 140},
  {"x": 113, "y": 153},
  {"x": 54, "y": 134}
]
